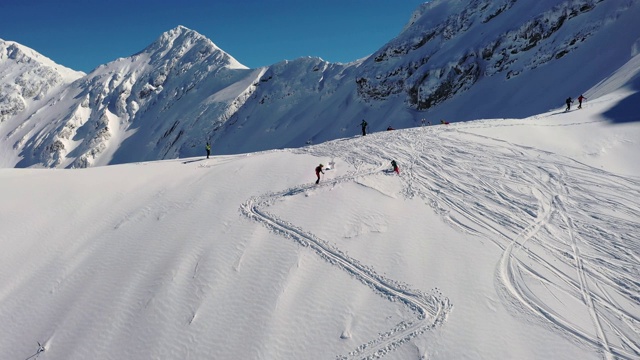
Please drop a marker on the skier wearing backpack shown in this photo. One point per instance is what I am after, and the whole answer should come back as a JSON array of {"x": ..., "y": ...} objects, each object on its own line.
[
  {"x": 568, "y": 101},
  {"x": 318, "y": 171},
  {"x": 364, "y": 127}
]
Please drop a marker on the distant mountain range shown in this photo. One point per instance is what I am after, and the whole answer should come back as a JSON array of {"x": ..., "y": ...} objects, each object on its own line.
[{"x": 455, "y": 60}]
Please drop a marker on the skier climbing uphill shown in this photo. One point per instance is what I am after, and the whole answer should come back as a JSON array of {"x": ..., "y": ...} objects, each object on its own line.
[
  {"x": 568, "y": 102},
  {"x": 318, "y": 171},
  {"x": 364, "y": 124},
  {"x": 580, "y": 99}
]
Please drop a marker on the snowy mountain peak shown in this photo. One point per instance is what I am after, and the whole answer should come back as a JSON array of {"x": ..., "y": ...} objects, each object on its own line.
[
  {"x": 181, "y": 40},
  {"x": 455, "y": 60},
  {"x": 92, "y": 121},
  {"x": 178, "y": 36},
  {"x": 12, "y": 52},
  {"x": 27, "y": 78}
]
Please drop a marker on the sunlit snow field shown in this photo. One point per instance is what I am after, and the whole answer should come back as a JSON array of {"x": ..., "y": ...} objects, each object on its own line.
[{"x": 508, "y": 238}]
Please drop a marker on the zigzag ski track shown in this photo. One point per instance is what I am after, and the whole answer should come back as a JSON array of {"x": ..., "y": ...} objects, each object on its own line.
[
  {"x": 569, "y": 233},
  {"x": 430, "y": 309}
]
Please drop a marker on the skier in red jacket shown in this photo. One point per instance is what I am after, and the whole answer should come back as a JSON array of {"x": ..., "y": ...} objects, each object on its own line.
[
  {"x": 580, "y": 98},
  {"x": 394, "y": 164}
]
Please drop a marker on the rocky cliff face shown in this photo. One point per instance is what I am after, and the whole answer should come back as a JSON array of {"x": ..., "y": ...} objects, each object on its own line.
[
  {"x": 431, "y": 62},
  {"x": 27, "y": 77}
]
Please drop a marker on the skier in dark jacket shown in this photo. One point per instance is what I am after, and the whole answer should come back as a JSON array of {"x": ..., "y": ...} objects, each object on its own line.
[
  {"x": 364, "y": 127},
  {"x": 318, "y": 171},
  {"x": 208, "y": 148},
  {"x": 568, "y": 101}
]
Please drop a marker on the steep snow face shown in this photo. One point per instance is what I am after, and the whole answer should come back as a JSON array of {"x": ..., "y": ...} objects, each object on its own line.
[
  {"x": 27, "y": 77},
  {"x": 153, "y": 94},
  {"x": 294, "y": 103},
  {"x": 455, "y": 60},
  {"x": 500, "y": 45}
]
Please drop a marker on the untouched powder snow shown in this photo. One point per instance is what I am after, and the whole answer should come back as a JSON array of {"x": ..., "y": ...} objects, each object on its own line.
[{"x": 500, "y": 239}]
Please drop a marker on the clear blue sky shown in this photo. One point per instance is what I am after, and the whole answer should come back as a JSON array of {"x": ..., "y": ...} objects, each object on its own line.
[{"x": 82, "y": 34}]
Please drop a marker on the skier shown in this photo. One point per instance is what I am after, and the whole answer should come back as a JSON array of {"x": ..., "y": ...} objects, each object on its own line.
[
  {"x": 444, "y": 122},
  {"x": 568, "y": 101},
  {"x": 580, "y": 98},
  {"x": 208, "y": 148},
  {"x": 318, "y": 171},
  {"x": 364, "y": 127},
  {"x": 390, "y": 128},
  {"x": 395, "y": 167}
]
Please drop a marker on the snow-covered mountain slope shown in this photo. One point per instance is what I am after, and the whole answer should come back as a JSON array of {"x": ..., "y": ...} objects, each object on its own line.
[
  {"x": 455, "y": 60},
  {"x": 27, "y": 81},
  {"x": 500, "y": 239},
  {"x": 27, "y": 77},
  {"x": 179, "y": 79},
  {"x": 465, "y": 60}
]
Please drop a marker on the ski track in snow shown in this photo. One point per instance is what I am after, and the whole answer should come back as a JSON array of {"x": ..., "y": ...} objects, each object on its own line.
[
  {"x": 570, "y": 245},
  {"x": 430, "y": 309}
]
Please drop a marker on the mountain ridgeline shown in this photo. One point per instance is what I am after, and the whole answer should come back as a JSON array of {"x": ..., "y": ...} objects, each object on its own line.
[{"x": 455, "y": 60}]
